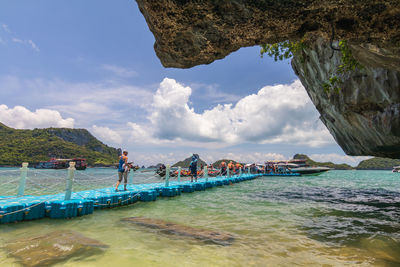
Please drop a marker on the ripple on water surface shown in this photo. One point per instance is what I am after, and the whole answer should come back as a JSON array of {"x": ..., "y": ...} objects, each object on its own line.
[{"x": 339, "y": 218}]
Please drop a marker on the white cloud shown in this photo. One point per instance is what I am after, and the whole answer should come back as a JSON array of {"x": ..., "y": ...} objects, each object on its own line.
[
  {"x": 6, "y": 28},
  {"x": 211, "y": 94},
  {"x": 144, "y": 134},
  {"x": 12, "y": 37},
  {"x": 119, "y": 71},
  {"x": 21, "y": 118},
  {"x": 153, "y": 158},
  {"x": 245, "y": 157},
  {"x": 138, "y": 133},
  {"x": 337, "y": 158},
  {"x": 33, "y": 45},
  {"x": 26, "y": 42},
  {"x": 17, "y": 40},
  {"x": 106, "y": 134},
  {"x": 276, "y": 114},
  {"x": 89, "y": 103},
  {"x": 217, "y": 96},
  {"x": 101, "y": 101}
]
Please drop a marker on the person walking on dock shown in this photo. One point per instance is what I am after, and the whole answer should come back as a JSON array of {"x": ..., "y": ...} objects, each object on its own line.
[
  {"x": 123, "y": 170},
  {"x": 231, "y": 168},
  {"x": 238, "y": 166},
  {"x": 223, "y": 168},
  {"x": 193, "y": 168}
]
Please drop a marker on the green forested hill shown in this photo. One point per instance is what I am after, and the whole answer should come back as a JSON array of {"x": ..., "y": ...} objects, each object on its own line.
[
  {"x": 17, "y": 146},
  {"x": 378, "y": 164}
]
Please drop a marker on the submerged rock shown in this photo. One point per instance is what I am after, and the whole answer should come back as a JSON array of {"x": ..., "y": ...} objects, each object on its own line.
[
  {"x": 385, "y": 248},
  {"x": 182, "y": 230},
  {"x": 52, "y": 248}
]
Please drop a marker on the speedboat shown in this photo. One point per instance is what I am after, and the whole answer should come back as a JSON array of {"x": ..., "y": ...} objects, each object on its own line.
[
  {"x": 310, "y": 170},
  {"x": 396, "y": 169},
  {"x": 300, "y": 166},
  {"x": 296, "y": 166}
]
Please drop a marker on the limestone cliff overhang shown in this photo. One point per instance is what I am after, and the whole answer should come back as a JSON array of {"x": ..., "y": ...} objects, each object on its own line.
[{"x": 190, "y": 33}]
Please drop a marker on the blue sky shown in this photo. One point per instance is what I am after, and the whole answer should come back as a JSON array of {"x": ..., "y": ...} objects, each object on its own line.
[{"x": 91, "y": 64}]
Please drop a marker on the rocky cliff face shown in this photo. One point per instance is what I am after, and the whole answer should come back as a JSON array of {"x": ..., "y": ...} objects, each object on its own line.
[
  {"x": 363, "y": 117},
  {"x": 82, "y": 137},
  {"x": 189, "y": 33}
]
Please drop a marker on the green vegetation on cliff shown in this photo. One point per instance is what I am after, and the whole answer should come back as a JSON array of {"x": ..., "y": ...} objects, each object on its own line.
[
  {"x": 283, "y": 50},
  {"x": 17, "y": 146},
  {"x": 323, "y": 164},
  {"x": 288, "y": 49},
  {"x": 378, "y": 164}
]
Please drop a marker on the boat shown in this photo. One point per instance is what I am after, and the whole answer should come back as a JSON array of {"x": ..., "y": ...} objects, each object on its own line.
[
  {"x": 53, "y": 163},
  {"x": 300, "y": 166},
  {"x": 396, "y": 169},
  {"x": 295, "y": 166},
  {"x": 310, "y": 170}
]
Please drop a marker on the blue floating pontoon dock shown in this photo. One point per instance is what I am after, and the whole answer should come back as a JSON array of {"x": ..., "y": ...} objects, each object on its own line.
[{"x": 24, "y": 208}]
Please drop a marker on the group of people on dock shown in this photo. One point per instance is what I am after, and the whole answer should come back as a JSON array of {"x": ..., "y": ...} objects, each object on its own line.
[
  {"x": 232, "y": 167},
  {"x": 124, "y": 168}
]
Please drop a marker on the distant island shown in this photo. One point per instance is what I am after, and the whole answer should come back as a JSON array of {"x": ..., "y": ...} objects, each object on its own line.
[
  {"x": 186, "y": 163},
  {"x": 155, "y": 166},
  {"x": 17, "y": 146},
  {"x": 378, "y": 164},
  {"x": 368, "y": 164}
]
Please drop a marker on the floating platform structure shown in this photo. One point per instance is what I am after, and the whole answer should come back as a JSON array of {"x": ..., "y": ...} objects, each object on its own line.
[{"x": 72, "y": 204}]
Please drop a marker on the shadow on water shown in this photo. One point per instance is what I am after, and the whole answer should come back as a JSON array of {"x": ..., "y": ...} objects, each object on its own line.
[{"x": 366, "y": 219}]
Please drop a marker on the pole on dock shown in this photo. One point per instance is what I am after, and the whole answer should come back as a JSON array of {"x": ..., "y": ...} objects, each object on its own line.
[
  {"x": 179, "y": 174},
  {"x": 70, "y": 180},
  {"x": 130, "y": 181},
  {"x": 167, "y": 175},
  {"x": 22, "y": 180},
  {"x": 206, "y": 173}
]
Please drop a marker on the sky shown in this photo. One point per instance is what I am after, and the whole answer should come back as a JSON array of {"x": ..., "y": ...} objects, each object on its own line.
[{"x": 91, "y": 64}]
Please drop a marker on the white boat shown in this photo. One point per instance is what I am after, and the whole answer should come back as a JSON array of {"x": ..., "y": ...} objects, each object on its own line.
[
  {"x": 304, "y": 169},
  {"x": 396, "y": 169},
  {"x": 310, "y": 170},
  {"x": 297, "y": 166}
]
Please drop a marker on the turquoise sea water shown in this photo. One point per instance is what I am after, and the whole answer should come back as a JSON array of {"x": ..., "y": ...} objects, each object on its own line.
[{"x": 340, "y": 218}]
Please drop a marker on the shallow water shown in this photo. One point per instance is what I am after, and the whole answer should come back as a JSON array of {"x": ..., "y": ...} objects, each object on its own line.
[{"x": 340, "y": 218}]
